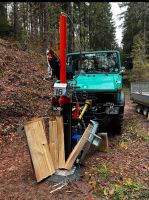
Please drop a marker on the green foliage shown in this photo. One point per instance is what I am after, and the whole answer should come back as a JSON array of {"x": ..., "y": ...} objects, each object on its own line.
[
  {"x": 5, "y": 28},
  {"x": 140, "y": 71},
  {"x": 135, "y": 22},
  {"x": 134, "y": 129},
  {"x": 136, "y": 38},
  {"x": 102, "y": 28},
  {"x": 101, "y": 170},
  {"x": 130, "y": 189},
  {"x": 93, "y": 24}
]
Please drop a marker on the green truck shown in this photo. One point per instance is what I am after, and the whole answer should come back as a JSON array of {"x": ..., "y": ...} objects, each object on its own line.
[{"x": 98, "y": 76}]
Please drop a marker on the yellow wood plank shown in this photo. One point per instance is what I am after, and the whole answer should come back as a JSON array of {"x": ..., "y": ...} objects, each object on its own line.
[
  {"x": 79, "y": 146},
  {"x": 61, "y": 146},
  {"x": 39, "y": 150},
  {"x": 53, "y": 142}
]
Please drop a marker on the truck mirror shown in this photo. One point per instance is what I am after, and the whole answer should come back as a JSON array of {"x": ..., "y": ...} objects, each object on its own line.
[{"x": 122, "y": 70}]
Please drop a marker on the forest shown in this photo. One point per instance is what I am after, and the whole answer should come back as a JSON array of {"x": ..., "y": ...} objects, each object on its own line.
[
  {"x": 35, "y": 25},
  {"x": 27, "y": 31}
]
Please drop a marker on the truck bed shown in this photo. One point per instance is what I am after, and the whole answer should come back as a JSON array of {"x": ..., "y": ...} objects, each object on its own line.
[
  {"x": 140, "y": 98},
  {"x": 140, "y": 93}
]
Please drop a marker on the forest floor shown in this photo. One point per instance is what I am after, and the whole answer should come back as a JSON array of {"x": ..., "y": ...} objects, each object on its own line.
[{"x": 120, "y": 174}]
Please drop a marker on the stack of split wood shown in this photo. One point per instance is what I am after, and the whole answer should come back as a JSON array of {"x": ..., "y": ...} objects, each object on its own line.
[{"x": 48, "y": 156}]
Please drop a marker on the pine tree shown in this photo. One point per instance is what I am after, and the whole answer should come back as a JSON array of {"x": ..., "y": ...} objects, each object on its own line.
[
  {"x": 5, "y": 28},
  {"x": 36, "y": 24},
  {"x": 140, "y": 71},
  {"x": 135, "y": 22},
  {"x": 102, "y": 27}
]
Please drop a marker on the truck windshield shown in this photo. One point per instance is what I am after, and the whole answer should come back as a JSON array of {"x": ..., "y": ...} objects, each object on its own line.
[{"x": 99, "y": 62}]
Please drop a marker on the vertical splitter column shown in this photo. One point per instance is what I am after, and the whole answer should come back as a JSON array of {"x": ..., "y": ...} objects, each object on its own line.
[
  {"x": 62, "y": 49},
  {"x": 64, "y": 100}
]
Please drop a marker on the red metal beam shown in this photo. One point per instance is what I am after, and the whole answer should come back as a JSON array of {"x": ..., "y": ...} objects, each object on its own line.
[{"x": 62, "y": 49}]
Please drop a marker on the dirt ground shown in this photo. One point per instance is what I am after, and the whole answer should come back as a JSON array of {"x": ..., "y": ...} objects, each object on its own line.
[
  {"x": 120, "y": 174},
  {"x": 103, "y": 175}
]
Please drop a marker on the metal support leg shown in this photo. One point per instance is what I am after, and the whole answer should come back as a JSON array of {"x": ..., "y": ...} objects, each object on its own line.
[{"x": 67, "y": 113}]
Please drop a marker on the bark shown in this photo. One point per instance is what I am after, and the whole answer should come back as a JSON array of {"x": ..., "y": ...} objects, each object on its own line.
[
  {"x": 41, "y": 21},
  {"x": 35, "y": 20},
  {"x": 46, "y": 26},
  {"x": 31, "y": 19},
  {"x": 16, "y": 22},
  {"x": 71, "y": 31},
  {"x": 84, "y": 25},
  {"x": 80, "y": 34},
  {"x": 3, "y": 11}
]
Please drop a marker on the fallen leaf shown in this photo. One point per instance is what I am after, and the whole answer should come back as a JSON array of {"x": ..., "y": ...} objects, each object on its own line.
[
  {"x": 93, "y": 184},
  {"x": 129, "y": 182},
  {"x": 111, "y": 191},
  {"x": 124, "y": 145},
  {"x": 105, "y": 191}
]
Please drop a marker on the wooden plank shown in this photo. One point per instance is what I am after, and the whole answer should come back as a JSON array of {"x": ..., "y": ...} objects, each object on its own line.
[
  {"x": 61, "y": 146},
  {"x": 77, "y": 149},
  {"x": 39, "y": 150},
  {"x": 53, "y": 142}
]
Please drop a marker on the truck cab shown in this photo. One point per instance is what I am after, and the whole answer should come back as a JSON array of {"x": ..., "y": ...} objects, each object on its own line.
[{"x": 98, "y": 76}]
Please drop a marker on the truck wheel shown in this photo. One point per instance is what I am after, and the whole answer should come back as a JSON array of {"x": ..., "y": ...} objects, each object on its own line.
[
  {"x": 139, "y": 109},
  {"x": 121, "y": 111},
  {"x": 145, "y": 112},
  {"x": 115, "y": 126}
]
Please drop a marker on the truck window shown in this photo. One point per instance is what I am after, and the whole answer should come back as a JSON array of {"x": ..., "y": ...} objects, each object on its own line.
[{"x": 99, "y": 62}]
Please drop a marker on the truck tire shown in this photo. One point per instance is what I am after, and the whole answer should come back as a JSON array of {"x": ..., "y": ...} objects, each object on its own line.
[
  {"x": 115, "y": 126},
  {"x": 145, "y": 111},
  {"x": 122, "y": 98},
  {"x": 139, "y": 109},
  {"x": 121, "y": 111}
]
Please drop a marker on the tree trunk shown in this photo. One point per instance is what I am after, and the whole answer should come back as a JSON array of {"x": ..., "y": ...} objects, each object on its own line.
[
  {"x": 89, "y": 26},
  {"x": 31, "y": 19},
  {"x": 70, "y": 35},
  {"x": 35, "y": 20},
  {"x": 3, "y": 11},
  {"x": 80, "y": 32},
  {"x": 24, "y": 16},
  {"x": 16, "y": 22},
  {"x": 46, "y": 26},
  {"x": 84, "y": 25},
  {"x": 41, "y": 21},
  {"x": 147, "y": 29}
]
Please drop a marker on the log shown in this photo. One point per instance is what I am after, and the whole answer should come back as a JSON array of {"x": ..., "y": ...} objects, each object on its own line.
[
  {"x": 39, "y": 150},
  {"x": 79, "y": 146}
]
